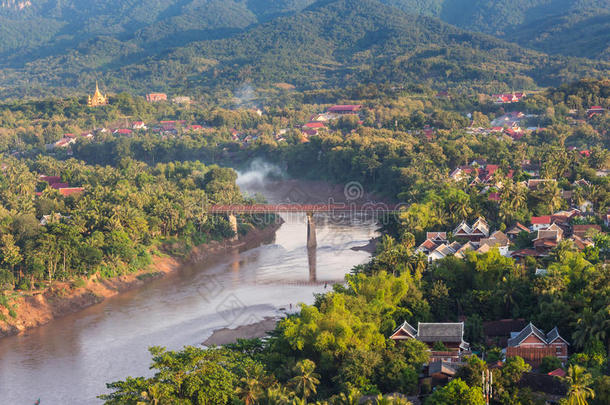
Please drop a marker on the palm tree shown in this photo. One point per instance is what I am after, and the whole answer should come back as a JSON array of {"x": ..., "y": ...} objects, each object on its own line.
[
  {"x": 306, "y": 380},
  {"x": 518, "y": 196},
  {"x": 552, "y": 195},
  {"x": 388, "y": 400},
  {"x": 276, "y": 395},
  {"x": 579, "y": 381},
  {"x": 585, "y": 326},
  {"x": 250, "y": 390},
  {"x": 351, "y": 398},
  {"x": 418, "y": 263},
  {"x": 439, "y": 217}
]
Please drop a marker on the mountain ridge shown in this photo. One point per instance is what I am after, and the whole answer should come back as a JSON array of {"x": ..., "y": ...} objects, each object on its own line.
[{"x": 327, "y": 43}]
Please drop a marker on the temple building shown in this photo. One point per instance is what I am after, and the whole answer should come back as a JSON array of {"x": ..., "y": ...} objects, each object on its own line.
[
  {"x": 445, "y": 340},
  {"x": 97, "y": 99}
]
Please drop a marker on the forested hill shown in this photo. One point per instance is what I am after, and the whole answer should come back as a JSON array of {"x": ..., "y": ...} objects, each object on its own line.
[
  {"x": 62, "y": 24},
  {"x": 566, "y": 27},
  {"x": 189, "y": 46},
  {"x": 349, "y": 42},
  {"x": 581, "y": 27}
]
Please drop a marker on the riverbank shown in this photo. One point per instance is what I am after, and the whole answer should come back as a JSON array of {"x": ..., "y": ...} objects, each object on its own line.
[
  {"x": 63, "y": 298},
  {"x": 254, "y": 330}
]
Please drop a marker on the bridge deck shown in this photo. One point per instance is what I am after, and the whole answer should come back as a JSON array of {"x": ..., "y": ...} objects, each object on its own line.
[{"x": 304, "y": 208}]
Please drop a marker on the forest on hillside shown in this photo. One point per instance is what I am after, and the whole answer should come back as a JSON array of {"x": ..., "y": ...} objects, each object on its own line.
[{"x": 215, "y": 46}]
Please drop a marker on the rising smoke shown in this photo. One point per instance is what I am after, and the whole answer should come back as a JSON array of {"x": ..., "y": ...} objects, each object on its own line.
[
  {"x": 257, "y": 175},
  {"x": 245, "y": 97}
]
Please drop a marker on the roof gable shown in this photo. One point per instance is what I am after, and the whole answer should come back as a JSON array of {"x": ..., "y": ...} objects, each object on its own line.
[
  {"x": 462, "y": 228},
  {"x": 404, "y": 331},
  {"x": 528, "y": 331},
  {"x": 553, "y": 335}
]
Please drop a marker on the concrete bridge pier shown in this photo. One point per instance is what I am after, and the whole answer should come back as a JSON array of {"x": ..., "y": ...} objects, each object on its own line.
[
  {"x": 233, "y": 222},
  {"x": 311, "y": 231},
  {"x": 312, "y": 260}
]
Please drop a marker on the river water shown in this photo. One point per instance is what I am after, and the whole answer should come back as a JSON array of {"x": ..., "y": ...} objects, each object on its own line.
[{"x": 69, "y": 360}]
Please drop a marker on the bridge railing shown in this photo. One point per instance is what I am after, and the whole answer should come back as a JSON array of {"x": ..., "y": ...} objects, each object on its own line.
[{"x": 373, "y": 210}]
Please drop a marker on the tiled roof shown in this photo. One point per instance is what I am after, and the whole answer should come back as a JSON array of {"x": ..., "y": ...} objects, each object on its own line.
[
  {"x": 525, "y": 332},
  {"x": 558, "y": 372},
  {"x": 518, "y": 228},
  {"x": 436, "y": 235},
  {"x": 410, "y": 330},
  {"x": 553, "y": 335},
  {"x": 441, "y": 367},
  {"x": 527, "y": 252},
  {"x": 347, "y": 107},
  {"x": 463, "y": 227},
  {"x": 531, "y": 329},
  {"x": 546, "y": 219},
  {"x": 435, "y": 332},
  {"x": 428, "y": 244}
]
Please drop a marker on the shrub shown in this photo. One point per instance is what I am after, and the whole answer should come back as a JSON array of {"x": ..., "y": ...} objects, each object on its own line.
[
  {"x": 549, "y": 363},
  {"x": 79, "y": 283}
]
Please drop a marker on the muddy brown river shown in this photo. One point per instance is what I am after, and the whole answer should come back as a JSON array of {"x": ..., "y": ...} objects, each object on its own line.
[{"x": 69, "y": 360}]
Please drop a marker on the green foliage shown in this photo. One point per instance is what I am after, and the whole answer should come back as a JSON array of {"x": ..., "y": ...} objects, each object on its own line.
[
  {"x": 224, "y": 44},
  {"x": 457, "y": 392},
  {"x": 549, "y": 363},
  {"x": 471, "y": 373},
  {"x": 579, "y": 390},
  {"x": 191, "y": 376},
  {"x": 110, "y": 228},
  {"x": 439, "y": 346}
]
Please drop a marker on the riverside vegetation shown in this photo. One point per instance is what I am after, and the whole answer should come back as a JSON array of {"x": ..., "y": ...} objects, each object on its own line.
[
  {"x": 144, "y": 190},
  {"x": 121, "y": 218},
  {"x": 417, "y": 78}
]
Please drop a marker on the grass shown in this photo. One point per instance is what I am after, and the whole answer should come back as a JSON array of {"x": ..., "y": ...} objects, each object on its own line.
[
  {"x": 148, "y": 276},
  {"x": 79, "y": 283},
  {"x": 4, "y": 301}
]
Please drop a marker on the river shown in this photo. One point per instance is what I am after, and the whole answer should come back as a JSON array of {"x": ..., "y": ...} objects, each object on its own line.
[{"x": 69, "y": 360}]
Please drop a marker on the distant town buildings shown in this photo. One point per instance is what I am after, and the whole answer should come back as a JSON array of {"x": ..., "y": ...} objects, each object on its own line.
[
  {"x": 345, "y": 109},
  {"x": 508, "y": 98},
  {"x": 156, "y": 97},
  {"x": 64, "y": 189}
]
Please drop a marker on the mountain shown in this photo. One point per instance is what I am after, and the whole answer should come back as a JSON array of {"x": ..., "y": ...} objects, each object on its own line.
[
  {"x": 585, "y": 34},
  {"x": 31, "y": 27},
  {"x": 263, "y": 42},
  {"x": 566, "y": 27}
]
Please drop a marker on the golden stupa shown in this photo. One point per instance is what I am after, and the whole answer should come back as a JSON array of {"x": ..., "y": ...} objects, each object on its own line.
[{"x": 97, "y": 98}]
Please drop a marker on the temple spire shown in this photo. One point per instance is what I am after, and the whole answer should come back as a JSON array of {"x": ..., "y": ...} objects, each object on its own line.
[{"x": 98, "y": 98}]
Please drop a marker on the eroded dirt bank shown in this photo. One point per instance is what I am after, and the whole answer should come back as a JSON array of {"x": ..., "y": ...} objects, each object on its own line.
[{"x": 38, "y": 308}]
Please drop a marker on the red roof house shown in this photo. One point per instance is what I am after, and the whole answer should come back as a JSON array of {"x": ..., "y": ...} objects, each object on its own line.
[
  {"x": 533, "y": 345},
  {"x": 317, "y": 125},
  {"x": 50, "y": 179},
  {"x": 66, "y": 191},
  {"x": 154, "y": 97},
  {"x": 541, "y": 222},
  {"x": 345, "y": 109},
  {"x": 558, "y": 372}
]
